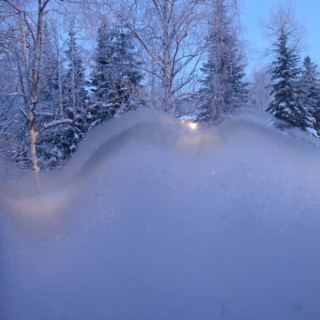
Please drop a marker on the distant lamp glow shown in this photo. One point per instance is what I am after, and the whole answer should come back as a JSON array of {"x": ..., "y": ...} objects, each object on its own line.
[
  {"x": 193, "y": 125},
  {"x": 189, "y": 121}
]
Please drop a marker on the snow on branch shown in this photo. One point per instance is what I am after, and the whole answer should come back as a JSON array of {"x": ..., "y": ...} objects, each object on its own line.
[
  {"x": 43, "y": 113},
  {"x": 52, "y": 124}
]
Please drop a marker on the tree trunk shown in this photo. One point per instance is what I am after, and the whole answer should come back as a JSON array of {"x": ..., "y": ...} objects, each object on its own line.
[
  {"x": 73, "y": 96},
  {"x": 33, "y": 156},
  {"x": 33, "y": 142},
  {"x": 166, "y": 58}
]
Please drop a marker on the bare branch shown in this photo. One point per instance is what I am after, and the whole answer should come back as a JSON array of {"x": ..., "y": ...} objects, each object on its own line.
[
  {"x": 13, "y": 6},
  {"x": 52, "y": 124},
  {"x": 24, "y": 113},
  {"x": 144, "y": 44}
]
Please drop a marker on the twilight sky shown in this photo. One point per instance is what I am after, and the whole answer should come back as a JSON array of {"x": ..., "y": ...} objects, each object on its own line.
[{"x": 307, "y": 13}]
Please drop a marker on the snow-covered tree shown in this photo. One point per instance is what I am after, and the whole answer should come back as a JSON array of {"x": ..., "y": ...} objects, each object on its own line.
[
  {"x": 309, "y": 90},
  {"x": 285, "y": 76},
  {"x": 116, "y": 77},
  {"x": 224, "y": 89},
  {"x": 49, "y": 95},
  {"x": 76, "y": 96},
  {"x": 61, "y": 94},
  {"x": 170, "y": 38},
  {"x": 260, "y": 88},
  {"x": 25, "y": 23}
]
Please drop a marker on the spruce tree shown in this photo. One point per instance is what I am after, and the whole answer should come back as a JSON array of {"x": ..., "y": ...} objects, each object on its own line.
[
  {"x": 49, "y": 86},
  {"x": 116, "y": 78},
  {"x": 50, "y": 150},
  {"x": 309, "y": 95},
  {"x": 76, "y": 101},
  {"x": 75, "y": 78},
  {"x": 285, "y": 71},
  {"x": 223, "y": 90},
  {"x": 57, "y": 144}
]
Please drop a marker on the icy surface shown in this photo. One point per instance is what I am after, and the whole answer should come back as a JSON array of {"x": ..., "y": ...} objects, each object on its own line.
[{"x": 153, "y": 221}]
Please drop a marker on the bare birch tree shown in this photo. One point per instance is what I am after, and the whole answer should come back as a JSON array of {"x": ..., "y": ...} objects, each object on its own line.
[
  {"x": 168, "y": 32},
  {"x": 260, "y": 88},
  {"x": 283, "y": 16},
  {"x": 27, "y": 29}
]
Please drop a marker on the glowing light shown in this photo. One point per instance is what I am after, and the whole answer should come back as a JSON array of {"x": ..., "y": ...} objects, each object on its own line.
[
  {"x": 189, "y": 123},
  {"x": 193, "y": 125}
]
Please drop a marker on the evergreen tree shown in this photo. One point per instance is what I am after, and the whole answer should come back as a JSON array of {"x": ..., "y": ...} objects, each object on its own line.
[
  {"x": 310, "y": 91},
  {"x": 75, "y": 79},
  {"x": 116, "y": 78},
  {"x": 48, "y": 153},
  {"x": 223, "y": 90},
  {"x": 57, "y": 144},
  {"x": 285, "y": 104},
  {"x": 49, "y": 95},
  {"x": 76, "y": 101}
]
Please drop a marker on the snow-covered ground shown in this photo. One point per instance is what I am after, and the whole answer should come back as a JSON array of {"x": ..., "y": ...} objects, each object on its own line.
[{"x": 153, "y": 221}]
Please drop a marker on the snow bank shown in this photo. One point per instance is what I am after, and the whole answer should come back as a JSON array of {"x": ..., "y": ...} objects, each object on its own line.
[{"x": 154, "y": 221}]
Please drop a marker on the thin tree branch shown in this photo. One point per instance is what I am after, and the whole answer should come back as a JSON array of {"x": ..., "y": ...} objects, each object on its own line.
[{"x": 52, "y": 124}]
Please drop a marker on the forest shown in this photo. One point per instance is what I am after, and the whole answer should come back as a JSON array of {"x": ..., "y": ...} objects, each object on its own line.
[{"x": 69, "y": 65}]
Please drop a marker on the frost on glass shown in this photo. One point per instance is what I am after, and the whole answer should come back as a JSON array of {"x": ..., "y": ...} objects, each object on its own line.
[{"x": 152, "y": 220}]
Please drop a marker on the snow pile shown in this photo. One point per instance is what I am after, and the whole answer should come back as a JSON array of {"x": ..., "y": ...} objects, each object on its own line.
[{"x": 155, "y": 221}]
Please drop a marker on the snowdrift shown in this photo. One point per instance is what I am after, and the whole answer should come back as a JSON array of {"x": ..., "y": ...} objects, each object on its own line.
[{"x": 154, "y": 221}]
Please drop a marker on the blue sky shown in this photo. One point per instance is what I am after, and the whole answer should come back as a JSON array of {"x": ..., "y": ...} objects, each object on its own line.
[{"x": 307, "y": 14}]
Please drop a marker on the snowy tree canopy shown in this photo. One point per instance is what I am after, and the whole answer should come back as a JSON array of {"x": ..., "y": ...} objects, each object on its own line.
[
  {"x": 116, "y": 77},
  {"x": 285, "y": 76},
  {"x": 223, "y": 90}
]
